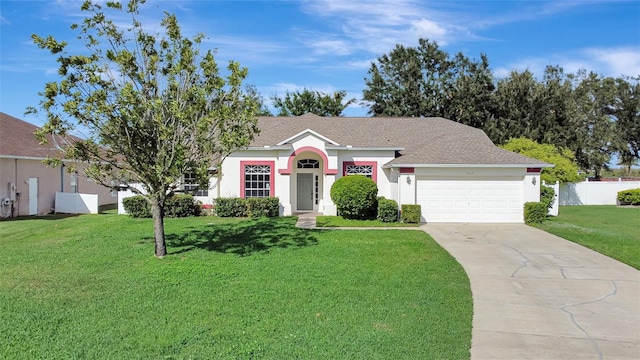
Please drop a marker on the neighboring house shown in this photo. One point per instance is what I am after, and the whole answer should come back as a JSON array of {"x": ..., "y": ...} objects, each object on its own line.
[
  {"x": 452, "y": 170},
  {"x": 28, "y": 184}
]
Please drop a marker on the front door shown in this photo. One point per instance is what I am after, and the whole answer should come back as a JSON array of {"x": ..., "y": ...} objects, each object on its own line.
[
  {"x": 33, "y": 196},
  {"x": 305, "y": 191}
]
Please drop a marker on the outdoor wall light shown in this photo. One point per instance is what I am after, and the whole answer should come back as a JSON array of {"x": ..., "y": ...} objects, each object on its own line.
[
  {"x": 409, "y": 180},
  {"x": 533, "y": 181}
]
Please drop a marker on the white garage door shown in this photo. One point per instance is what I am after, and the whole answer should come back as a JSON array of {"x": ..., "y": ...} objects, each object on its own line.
[{"x": 475, "y": 201}]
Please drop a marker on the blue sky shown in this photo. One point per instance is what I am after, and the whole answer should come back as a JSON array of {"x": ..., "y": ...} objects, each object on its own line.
[{"x": 328, "y": 45}]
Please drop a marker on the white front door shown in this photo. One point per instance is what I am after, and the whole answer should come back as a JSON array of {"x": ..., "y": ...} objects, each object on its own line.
[
  {"x": 305, "y": 191},
  {"x": 33, "y": 196}
]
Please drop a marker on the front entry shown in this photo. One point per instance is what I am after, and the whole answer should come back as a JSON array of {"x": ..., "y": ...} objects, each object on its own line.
[{"x": 305, "y": 191}]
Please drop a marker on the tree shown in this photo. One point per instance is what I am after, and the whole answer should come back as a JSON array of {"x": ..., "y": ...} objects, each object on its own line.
[
  {"x": 255, "y": 96},
  {"x": 154, "y": 107},
  {"x": 516, "y": 107},
  {"x": 315, "y": 102},
  {"x": 471, "y": 100},
  {"x": 410, "y": 81},
  {"x": 565, "y": 169},
  {"x": 425, "y": 81},
  {"x": 593, "y": 121},
  {"x": 626, "y": 110}
]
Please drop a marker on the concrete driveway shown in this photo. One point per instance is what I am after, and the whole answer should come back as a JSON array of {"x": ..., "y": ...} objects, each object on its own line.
[{"x": 537, "y": 296}]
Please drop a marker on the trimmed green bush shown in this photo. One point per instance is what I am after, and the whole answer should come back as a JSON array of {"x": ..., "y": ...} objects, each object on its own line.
[
  {"x": 387, "y": 210},
  {"x": 231, "y": 207},
  {"x": 629, "y": 197},
  {"x": 181, "y": 205},
  {"x": 547, "y": 196},
  {"x": 263, "y": 207},
  {"x": 178, "y": 205},
  {"x": 411, "y": 213},
  {"x": 535, "y": 212},
  {"x": 355, "y": 197},
  {"x": 137, "y": 206}
]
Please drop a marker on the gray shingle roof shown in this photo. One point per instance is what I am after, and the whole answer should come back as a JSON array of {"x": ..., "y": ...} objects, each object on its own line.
[
  {"x": 17, "y": 138},
  {"x": 424, "y": 140}
]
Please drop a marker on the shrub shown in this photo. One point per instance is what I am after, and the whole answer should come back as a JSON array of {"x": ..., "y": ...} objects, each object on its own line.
[
  {"x": 263, "y": 206},
  {"x": 547, "y": 195},
  {"x": 178, "y": 205},
  {"x": 181, "y": 205},
  {"x": 387, "y": 210},
  {"x": 231, "y": 207},
  {"x": 629, "y": 197},
  {"x": 355, "y": 197},
  {"x": 411, "y": 213},
  {"x": 137, "y": 206},
  {"x": 535, "y": 212}
]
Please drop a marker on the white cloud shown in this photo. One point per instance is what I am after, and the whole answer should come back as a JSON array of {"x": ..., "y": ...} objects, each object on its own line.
[
  {"x": 378, "y": 27},
  {"x": 604, "y": 61},
  {"x": 4, "y": 21},
  {"x": 616, "y": 61},
  {"x": 330, "y": 46}
]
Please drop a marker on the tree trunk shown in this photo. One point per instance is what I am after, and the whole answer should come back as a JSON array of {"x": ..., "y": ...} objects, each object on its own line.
[{"x": 157, "y": 212}]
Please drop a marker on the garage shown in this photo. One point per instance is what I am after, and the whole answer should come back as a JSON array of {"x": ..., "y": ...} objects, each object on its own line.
[{"x": 471, "y": 200}]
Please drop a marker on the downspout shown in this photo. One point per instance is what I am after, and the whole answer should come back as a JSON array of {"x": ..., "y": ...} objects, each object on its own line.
[
  {"x": 219, "y": 178},
  {"x": 62, "y": 178},
  {"x": 15, "y": 173}
]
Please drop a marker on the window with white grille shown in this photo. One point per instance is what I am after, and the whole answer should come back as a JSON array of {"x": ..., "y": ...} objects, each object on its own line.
[
  {"x": 308, "y": 164},
  {"x": 190, "y": 185},
  {"x": 366, "y": 170},
  {"x": 257, "y": 181}
]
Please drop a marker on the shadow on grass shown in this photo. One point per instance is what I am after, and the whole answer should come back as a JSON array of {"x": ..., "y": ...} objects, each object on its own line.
[
  {"x": 243, "y": 238},
  {"x": 40, "y": 217}
]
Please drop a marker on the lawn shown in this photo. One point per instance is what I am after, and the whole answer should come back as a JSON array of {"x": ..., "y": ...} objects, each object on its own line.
[
  {"x": 610, "y": 230},
  {"x": 89, "y": 287},
  {"x": 338, "y": 221}
]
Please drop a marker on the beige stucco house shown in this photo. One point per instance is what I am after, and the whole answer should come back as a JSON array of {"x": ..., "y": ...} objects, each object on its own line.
[{"x": 27, "y": 185}]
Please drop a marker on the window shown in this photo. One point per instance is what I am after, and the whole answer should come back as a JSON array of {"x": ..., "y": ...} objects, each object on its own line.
[
  {"x": 366, "y": 168},
  {"x": 308, "y": 164},
  {"x": 190, "y": 185},
  {"x": 257, "y": 179}
]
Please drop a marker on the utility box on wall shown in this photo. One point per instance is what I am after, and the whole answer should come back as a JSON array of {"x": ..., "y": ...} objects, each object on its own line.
[{"x": 12, "y": 191}]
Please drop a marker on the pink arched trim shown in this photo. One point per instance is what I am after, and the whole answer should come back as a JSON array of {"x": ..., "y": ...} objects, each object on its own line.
[{"x": 325, "y": 161}]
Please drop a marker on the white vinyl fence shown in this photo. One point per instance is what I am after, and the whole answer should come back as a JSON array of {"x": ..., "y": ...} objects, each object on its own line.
[
  {"x": 76, "y": 203},
  {"x": 594, "y": 192}
]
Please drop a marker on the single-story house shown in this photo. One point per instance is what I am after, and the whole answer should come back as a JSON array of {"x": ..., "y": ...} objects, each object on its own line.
[
  {"x": 27, "y": 185},
  {"x": 452, "y": 170}
]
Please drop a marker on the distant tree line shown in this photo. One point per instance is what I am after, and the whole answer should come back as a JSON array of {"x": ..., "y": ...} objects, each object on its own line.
[{"x": 593, "y": 115}]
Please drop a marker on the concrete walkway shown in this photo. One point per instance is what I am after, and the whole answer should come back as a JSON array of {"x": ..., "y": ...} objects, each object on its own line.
[{"x": 537, "y": 296}]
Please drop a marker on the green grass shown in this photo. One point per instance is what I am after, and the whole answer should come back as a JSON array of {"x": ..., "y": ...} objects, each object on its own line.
[
  {"x": 89, "y": 287},
  {"x": 338, "y": 221},
  {"x": 609, "y": 230}
]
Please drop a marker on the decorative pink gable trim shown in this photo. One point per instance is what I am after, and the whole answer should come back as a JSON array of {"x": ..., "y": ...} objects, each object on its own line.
[
  {"x": 374, "y": 166},
  {"x": 325, "y": 161},
  {"x": 406, "y": 170}
]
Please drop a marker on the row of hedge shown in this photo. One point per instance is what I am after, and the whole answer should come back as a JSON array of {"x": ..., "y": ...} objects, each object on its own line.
[
  {"x": 249, "y": 207},
  {"x": 178, "y": 205},
  {"x": 184, "y": 205}
]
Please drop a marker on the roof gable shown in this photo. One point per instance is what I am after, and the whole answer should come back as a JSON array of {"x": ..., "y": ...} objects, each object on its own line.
[{"x": 305, "y": 133}]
